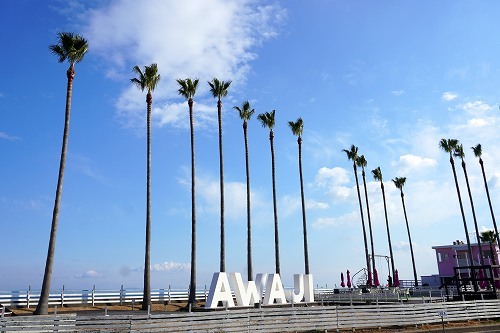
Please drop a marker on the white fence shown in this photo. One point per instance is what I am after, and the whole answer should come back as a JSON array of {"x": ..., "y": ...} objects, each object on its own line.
[
  {"x": 263, "y": 320},
  {"x": 92, "y": 297},
  {"x": 128, "y": 296}
]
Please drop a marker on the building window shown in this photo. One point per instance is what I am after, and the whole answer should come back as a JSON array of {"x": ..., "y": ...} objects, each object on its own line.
[
  {"x": 440, "y": 259},
  {"x": 446, "y": 255}
]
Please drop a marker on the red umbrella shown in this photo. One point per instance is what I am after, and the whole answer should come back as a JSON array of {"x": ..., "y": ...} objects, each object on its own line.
[
  {"x": 349, "y": 279},
  {"x": 375, "y": 278},
  {"x": 396, "y": 278},
  {"x": 342, "y": 284}
]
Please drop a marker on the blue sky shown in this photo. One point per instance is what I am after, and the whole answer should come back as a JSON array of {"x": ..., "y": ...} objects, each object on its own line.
[{"x": 391, "y": 77}]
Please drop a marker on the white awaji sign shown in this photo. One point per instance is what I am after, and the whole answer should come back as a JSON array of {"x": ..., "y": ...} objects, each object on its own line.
[{"x": 251, "y": 292}]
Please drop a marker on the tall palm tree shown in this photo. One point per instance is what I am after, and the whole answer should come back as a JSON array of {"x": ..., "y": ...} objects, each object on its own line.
[
  {"x": 399, "y": 182},
  {"x": 71, "y": 47},
  {"x": 188, "y": 90},
  {"x": 297, "y": 127},
  {"x": 490, "y": 237},
  {"x": 459, "y": 152},
  {"x": 246, "y": 113},
  {"x": 219, "y": 90},
  {"x": 147, "y": 79},
  {"x": 352, "y": 155},
  {"x": 377, "y": 175},
  {"x": 267, "y": 120},
  {"x": 361, "y": 162},
  {"x": 448, "y": 145},
  {"x": 478, "y": 152}
]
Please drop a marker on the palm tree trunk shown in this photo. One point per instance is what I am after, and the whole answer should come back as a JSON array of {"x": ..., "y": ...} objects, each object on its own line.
[
  {"x": 489, "y": 201},
  {"x": 192, "y": 283},
  {"x": 388, "y": 231},
  {"x": 43, "y": 303},
  {"x": 221, "y": 177},
  {"x": 367, "y": 256},
  {"x": 481, "y": 259},
  {"x": 275, "y": 207},
  {"x": 409, "y": 240},
  {"x": 146, "y": 300},
  {"x": 469, "y": 249},
  {"x": 304, "y": 224},
  {"x": 369, "y": 221},
  {"x": 249, "y": 226}
]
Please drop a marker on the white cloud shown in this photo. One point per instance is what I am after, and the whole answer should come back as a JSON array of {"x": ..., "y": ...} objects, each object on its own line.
[
  {"x": 89, "y": 275},
  {"x": 217, "y": 39},
  {"x": 397, "y": 92},
  {"x": 325, "y": 222},
  {"x": 449, "y": 96},
  {"x": 331, "y": 176},
  {"x": 170, "y": 266},
  {"x": 410, "y": 163},
  {"x": 6, "y": 136},
  {"x": 476, "y": 107},
  {"x": 165, "y": 267}
]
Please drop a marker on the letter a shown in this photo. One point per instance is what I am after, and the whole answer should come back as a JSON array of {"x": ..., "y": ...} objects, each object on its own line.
[
  {"x": 274, "y": 290},
  {"x": 219, "y": 291}
]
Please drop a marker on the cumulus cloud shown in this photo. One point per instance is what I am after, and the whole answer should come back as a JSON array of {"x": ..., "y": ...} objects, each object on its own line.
[
  {"x": 449, "y": 96},
  {"x": 89, "y": 275},
  {"x": 218, "y": 39},
  {"x": 290, "y": 205},
  {"x": 332, "y": 176},
  {"x": 409, "y": 163},
  {"x": 397, "y": 92}
]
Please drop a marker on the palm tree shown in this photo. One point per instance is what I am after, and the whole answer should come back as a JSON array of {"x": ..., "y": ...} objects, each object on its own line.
[
  {"x": 459, "y": 152},
  {"x": 490, "y": 237},
  {"x": 71, "y": 47},
  {"x": 188, "y": 90},
  {"x": 267, "y": 120},
  {"x": 219, "y": 90},
  {"x": 352, "y": 155},
  {"x": 399, "y": 182},
  {"x": 448, "y": 145},
  {"x": 297, "y": 127},
  {"x": 361, "y": 162},
  {"x": 478, "y": 152},
  {"x": 377, "y": 175},
  {"x": 147, "y": 80},
  {"x": 246, "y": 113}
]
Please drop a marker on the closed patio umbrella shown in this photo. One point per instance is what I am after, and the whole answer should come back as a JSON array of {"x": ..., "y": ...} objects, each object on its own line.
[
  {"x": 396, "y": 278},
  {"x": 376, "y": 282},
  {"x": 349, "y": 285},
  {"x": 342, "y": 284}
]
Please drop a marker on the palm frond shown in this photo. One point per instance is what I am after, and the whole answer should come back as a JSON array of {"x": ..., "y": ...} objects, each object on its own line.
[
  {"x": 245, "y": 112},
  {"x": 399, "y": 182},
  {"x": 458, "y": 151},
  {"x": 377, "y": 174},
  {"x": 71, "y": 47},
  {"x": 477, "y": 150},
  {"x": 267, "y": 119},
  {"x": 219, "y": 88},
  {"x": 297, "y": 127},
  {"x": 361, "y": 161}
]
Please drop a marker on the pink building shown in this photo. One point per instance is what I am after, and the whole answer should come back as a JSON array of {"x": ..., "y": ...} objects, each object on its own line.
[{"x": 456, "y": 255}]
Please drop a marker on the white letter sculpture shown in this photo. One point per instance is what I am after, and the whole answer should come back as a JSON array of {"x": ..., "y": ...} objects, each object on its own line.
[
  {"x": 219, "y": 291},
  {"x": 274, "y": 290}
]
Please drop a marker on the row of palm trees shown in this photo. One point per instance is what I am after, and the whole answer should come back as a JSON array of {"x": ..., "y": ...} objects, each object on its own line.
[
  {"x": 361, "y": 162},
  {"x": 455, "y": 149},
  {"x": 73, "y": 47}
]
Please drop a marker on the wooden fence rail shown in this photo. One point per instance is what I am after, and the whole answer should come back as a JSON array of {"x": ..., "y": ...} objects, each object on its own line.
[{"x": 263, "y": 320}]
